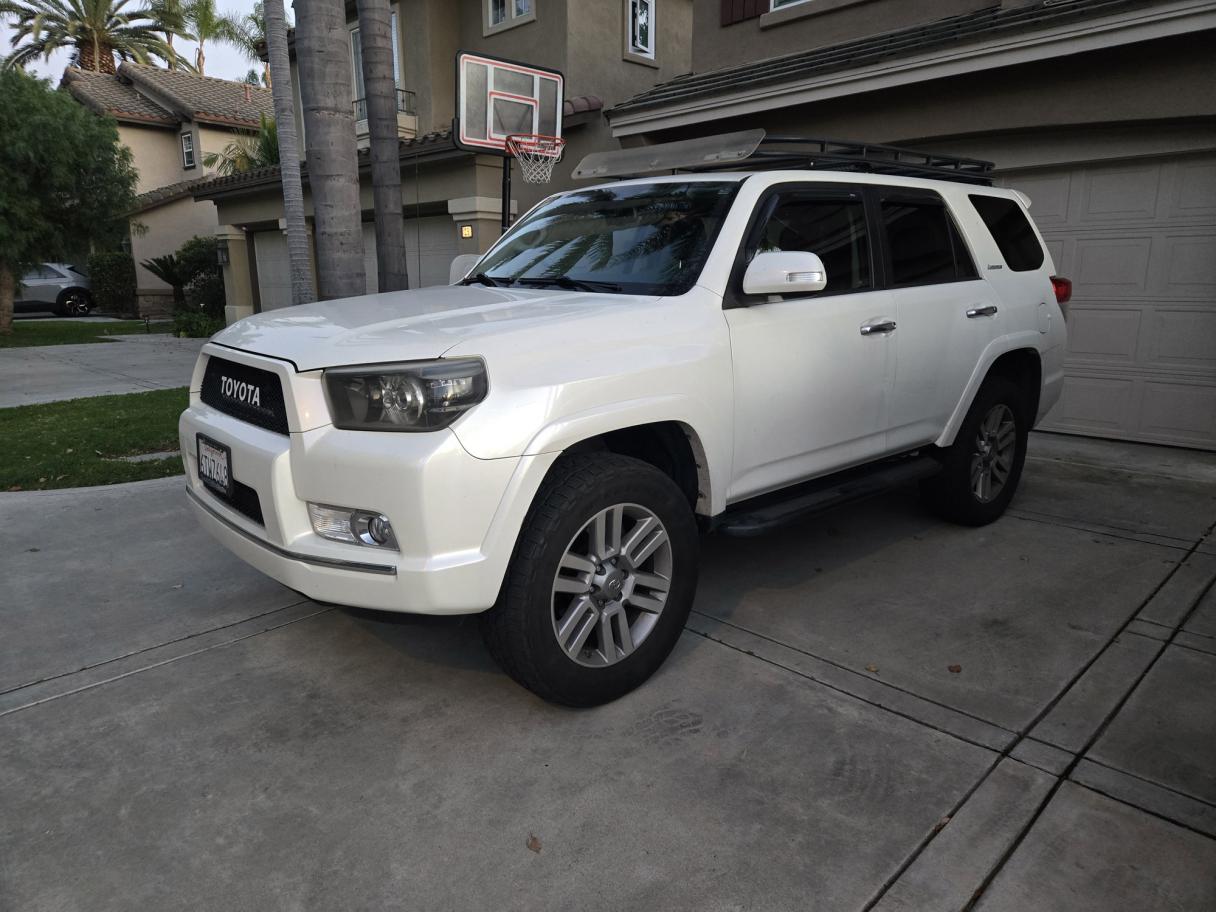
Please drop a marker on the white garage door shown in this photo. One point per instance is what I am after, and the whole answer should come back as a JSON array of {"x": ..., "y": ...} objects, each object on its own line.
[
  {"x": 1138, "y": 239},
  {"x": 430, "y": 246}
]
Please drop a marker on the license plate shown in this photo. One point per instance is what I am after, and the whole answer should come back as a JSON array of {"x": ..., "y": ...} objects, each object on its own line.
[{"x": 215, "y": 465}]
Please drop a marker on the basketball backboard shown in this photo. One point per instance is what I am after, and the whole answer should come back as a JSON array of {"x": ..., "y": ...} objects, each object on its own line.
[{"x": 497, "y": 98}]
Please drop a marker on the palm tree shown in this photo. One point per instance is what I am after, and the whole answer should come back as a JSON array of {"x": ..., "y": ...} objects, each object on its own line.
[
  {"x": 253, "y": 39},
  {"x": 299, "y": 250},
  {"x": 380, "y": 89},
  {"x": 247, "y": 151},
  {"x": 207, "y": 23},
  {"x": 170, "y": 18},
  {"x": 323, "y": 56},
  {"x": 96, "y": 30}
]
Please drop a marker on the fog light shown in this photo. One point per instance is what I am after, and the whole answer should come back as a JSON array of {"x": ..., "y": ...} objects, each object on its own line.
[{"x": 355, "y": 527}]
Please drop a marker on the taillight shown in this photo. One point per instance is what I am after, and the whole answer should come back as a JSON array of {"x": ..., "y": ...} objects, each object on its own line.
[{"x": 1063, "y": 289}]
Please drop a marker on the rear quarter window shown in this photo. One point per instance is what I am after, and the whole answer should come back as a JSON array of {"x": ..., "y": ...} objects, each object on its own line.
[{"x": 1011, "y": 230}]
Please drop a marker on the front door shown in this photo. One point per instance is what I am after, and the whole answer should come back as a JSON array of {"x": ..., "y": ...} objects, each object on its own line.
[{"x": 813, "y": 372}]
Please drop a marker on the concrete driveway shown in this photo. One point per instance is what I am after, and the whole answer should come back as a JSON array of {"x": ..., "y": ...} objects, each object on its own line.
[
  {"x": 871, "y": 710},
  {"x": 129, "y": 364}
]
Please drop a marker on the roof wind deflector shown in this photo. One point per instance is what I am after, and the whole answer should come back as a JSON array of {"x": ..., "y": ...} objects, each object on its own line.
[
  {"x": 685, "y": 155},
  {"x": 753, "y": 150}
]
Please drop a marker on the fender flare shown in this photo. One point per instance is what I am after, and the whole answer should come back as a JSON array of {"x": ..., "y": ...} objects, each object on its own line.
[{"x": 1019, "y": 341}]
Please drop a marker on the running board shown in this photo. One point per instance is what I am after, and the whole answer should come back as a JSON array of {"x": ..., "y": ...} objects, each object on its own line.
[{"x": 766, "y": 513}]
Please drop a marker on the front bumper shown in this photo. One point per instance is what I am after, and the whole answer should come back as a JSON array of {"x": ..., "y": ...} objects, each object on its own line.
[{"x": 456, "y": 517}]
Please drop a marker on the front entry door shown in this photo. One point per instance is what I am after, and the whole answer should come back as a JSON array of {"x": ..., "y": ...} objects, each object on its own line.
[{"x": 812, "y": 373}]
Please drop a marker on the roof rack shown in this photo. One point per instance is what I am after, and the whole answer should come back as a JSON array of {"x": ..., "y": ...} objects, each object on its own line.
[{"x": 755, "y": 150}]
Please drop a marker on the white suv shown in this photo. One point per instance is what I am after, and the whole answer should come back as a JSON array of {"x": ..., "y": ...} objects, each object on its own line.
[{"x": 629, "y": 365}]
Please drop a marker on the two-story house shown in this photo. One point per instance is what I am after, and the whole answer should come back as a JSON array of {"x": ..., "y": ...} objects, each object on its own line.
[
  {"x": 607, "y": 51},
  {"x": 1102, "y": 111},
  {"x": 170, "y": 120}
]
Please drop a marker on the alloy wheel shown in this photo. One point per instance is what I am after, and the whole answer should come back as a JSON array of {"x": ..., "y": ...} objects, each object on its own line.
[
  {"x": 611, "y": 585},
  {"x": 992, "y": 457}
]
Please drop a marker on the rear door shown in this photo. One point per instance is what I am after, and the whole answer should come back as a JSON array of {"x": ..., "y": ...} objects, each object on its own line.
[
  {"x": 810, "y": 385},
  {"x": 946, "y": 313}
]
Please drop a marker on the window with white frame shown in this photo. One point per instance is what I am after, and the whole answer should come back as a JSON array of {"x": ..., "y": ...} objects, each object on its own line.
[
  {"x": 777, "y": 4},
  {"x": 502, "y": 14},
  {"x": 639, "y": 20},
  {"x": 187, "y": 150}
]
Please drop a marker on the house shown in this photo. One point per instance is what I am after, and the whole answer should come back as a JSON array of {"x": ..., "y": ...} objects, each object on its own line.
[
  {"x": 170, "y": 120},
  {"x": 1102, "y": 111},
  {"x": 608, "y": 51}
]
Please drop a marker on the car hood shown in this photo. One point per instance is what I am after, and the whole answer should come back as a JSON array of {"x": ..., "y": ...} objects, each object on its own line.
[{"x": 407, "y": 325}]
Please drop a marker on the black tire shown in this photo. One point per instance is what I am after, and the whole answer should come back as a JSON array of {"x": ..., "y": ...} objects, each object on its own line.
[
  {"x": 952, "y": 494},
  {"x": 520, "y": 631}
]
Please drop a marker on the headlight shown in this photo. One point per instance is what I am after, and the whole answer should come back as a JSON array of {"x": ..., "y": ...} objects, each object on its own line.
[{"x": 423, "y": 396}]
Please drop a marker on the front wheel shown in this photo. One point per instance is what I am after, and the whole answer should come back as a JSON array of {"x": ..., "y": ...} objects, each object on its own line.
[
  {"x": 981, "y": 470},
  {"x": 600, "y": 584}
]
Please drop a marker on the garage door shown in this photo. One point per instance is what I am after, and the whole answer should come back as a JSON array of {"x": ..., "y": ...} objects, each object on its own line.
[
  {"x": 1138, "y": 239},
  {"x": 430, "y": 245}
]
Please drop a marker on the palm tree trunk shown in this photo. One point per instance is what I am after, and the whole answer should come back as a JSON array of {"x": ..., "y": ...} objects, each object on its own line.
[
  {"x": 8, "y": 288},
  {"x": 376, "y": 39},
  {"x": 200, "y": 58},
  {"x": 172, "y": 55},
  {"x": 323, "y": 56},
  {"x": 299, "y": 253}
]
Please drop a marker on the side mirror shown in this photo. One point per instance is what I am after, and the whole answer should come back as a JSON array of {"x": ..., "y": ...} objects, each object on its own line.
[
  {"x": 785, "y": 273},
  {"x": 461, "y": 265}
]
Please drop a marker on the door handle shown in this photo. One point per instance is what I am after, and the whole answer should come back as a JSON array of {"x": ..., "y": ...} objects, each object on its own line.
[
  {"x": 874, "y": 329},
  {"x": 982, "y": 311}
]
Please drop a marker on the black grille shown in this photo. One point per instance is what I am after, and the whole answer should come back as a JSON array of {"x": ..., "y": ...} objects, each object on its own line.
[
  {"x": 244, "y": 500},
  {"x": 244, "y": 392}
]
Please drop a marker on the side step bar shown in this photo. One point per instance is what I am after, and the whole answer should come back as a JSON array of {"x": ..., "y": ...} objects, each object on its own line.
[{"x": 763, "y": 514}]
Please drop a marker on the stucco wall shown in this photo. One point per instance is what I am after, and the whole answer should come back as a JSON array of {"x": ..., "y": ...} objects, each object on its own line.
[
  {"x": 155, "y": 153},
  {"x": 168, "y": 227},
  {"x": 807, "y": 25}
]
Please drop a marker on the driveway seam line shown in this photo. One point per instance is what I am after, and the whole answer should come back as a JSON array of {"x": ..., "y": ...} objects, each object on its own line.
[
  {"x": 189, "y": 636},
  {"x": 135, "y": 671},
  {"x": 1166, "y": 788},
  {"x": 1143, "y": 810},
  {"x": 835, "y": 664},
  {"x": 1066, "y": 775},
  {"x": 1181, "y": 546}
]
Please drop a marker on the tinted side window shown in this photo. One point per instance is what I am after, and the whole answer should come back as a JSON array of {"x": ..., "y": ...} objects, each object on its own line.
[
  {"x": 1011, "y": 230},
  {"x": 835, "y": 230},
  {"x": 922, "y": 240}
]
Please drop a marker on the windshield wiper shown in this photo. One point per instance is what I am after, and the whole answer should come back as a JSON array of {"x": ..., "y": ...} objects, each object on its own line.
[
  {"x": 485, "y": 279},
  {"x": 567, "y": 282}
]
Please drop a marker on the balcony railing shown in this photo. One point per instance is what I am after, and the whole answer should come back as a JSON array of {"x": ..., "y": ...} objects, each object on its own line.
[{"x": 406, "y": 104}]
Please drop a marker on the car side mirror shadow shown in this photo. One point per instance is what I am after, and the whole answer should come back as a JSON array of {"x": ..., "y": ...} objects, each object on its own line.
[{"x": 785, "y": 273}]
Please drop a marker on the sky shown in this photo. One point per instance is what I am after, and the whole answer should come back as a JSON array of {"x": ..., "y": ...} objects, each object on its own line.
[{"x": 223, "y": 61}]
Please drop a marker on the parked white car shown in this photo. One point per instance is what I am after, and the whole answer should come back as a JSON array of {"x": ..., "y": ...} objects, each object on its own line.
[
  {"x": 628, "y": 365},
  {"x": 54, "y": 288}
]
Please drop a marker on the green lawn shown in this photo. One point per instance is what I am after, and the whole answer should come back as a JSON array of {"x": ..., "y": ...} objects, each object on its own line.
[
  {"x": 66, "y": 444},
  {"x": 62, "y": 332}
]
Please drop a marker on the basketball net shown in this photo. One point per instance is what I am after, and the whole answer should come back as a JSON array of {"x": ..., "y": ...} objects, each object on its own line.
[{"x": 536, "y": 154}]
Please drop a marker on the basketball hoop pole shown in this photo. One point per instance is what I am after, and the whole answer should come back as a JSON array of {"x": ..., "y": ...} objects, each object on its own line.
[{"x": 506, "y": 192}]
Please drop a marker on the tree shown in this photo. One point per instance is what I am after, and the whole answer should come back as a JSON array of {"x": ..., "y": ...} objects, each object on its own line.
[
  {"x": 95, "y": 30},
  {"x": 68, "y": 182},
  {"x": 247, "y": 151},
  {"x": 207, "y": 23},
  {"x": 253, "y": 40},
  {"x": 299, "y": 250},
  {"x": 323, "y": 56},
  {"x": 170, "y": 18},
  {"x": 380, "y": 91}
]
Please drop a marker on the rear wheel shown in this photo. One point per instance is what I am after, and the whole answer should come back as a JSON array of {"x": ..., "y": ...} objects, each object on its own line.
[
  {"x": 981, "y": 470},
  {"x": 75, "y": 303},
  {"x": 601, "y": 582}
]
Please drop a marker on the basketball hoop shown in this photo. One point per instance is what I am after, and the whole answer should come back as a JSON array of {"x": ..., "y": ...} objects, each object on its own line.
[{"x": 536, "y": 154}]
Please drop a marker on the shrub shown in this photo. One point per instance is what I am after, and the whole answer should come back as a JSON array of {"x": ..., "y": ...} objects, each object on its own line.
[
  {"x": 112, "y": 279},
  {"x": 195, "y": 324},
  {"x": 202, "y": 277}
]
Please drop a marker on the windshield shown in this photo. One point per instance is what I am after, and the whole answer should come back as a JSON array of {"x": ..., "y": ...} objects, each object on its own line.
[{"x": 649, "y": 239}]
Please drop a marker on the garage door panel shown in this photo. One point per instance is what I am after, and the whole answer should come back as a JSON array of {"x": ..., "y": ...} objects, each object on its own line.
[
  {"x": 1120, "y": 194},
  {"x": 1139, "y": 242}
]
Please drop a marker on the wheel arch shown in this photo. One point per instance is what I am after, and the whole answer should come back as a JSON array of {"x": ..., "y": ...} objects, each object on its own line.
[{"x": 1021, "y": 363}]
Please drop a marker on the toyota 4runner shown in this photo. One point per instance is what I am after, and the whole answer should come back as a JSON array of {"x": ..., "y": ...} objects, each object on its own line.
[{"x": 628, "y": 366}]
